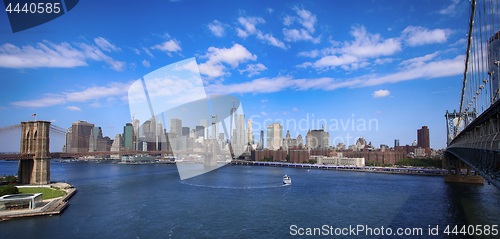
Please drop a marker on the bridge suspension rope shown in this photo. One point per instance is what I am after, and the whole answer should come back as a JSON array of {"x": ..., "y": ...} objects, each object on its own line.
[{"x": 480, "y": 86}]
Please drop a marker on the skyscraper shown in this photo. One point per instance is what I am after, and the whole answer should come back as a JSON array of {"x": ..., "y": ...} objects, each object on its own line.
[
  {"x": 261, "y": 139},
  {"x": 176, "y": 126},
  {"x": 96, "y": 141},
  {"x": 396, "y": 142},
  {"x": 200, "y": 131},
  {"x": 128, "y": 136},
  {"x": 274, "y": 136},
  {"x": 185, "y": 131},
  {"x": 204, "y": 123},
  {"x": 232, "y": 125},
  {"x": 214, "y": 130},
  {"x": 249, "y": 132},
  {"x": 80, "y": 136},
  {"x": 68, "y": 139},
  {"x": 423, "y": 137}
]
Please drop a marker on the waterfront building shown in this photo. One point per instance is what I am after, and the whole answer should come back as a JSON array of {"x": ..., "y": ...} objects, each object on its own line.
[
  {"x": 80, "y": 136},
  {"x": 274, "y": 136},
  {"x": 128, "y": 136},
  {"x": 339, "y": 160},
  {"x": 299, "y": 155},
  {"x": 423, "y": 137},
  {"x": 276, "y": 155}
]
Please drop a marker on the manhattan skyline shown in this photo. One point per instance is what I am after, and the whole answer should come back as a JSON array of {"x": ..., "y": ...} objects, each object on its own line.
[{"x": 397, "y": 62}]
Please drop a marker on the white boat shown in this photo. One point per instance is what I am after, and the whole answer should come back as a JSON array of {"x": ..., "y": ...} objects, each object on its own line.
[{"x": 287, "y": 179}]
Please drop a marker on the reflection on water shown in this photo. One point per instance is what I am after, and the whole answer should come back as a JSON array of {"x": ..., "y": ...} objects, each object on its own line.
[{"x": 145, "y": 201}]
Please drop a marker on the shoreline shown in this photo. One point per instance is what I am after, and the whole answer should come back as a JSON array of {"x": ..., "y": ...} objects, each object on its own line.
[
  {"x": 388, "y": 170},
  {"x": 53, "y": 207}
]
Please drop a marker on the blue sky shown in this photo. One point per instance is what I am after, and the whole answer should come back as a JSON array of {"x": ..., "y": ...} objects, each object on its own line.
[{"x": 396, "y": 62}]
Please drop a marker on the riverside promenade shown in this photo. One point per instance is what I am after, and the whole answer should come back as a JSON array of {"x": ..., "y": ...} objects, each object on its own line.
[{"x": 411, "y": 171}]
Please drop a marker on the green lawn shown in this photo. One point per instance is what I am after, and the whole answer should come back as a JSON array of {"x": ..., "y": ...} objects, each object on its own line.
[{"x": 48, "y": 193}]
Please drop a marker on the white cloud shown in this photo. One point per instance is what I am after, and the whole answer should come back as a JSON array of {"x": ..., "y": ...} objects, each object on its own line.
[
  {"x": 304, "y": 65},
  {"x": 423, "y": 70},
  {"x": 271, "y": 40},
  {"x": 249, "y": 23},
  {"x": 295, "y": 109},
  {"x": 94, "y": 93},
  {"x": 168, "y": 46},
  {"x": 48, "y": 54},
  {"x": 460, "y": 42},
  {"x": 48, "y": 100},
  {"x": 450, "y": 9},
  {"x": 148, "y": 52},
  {"x": 73, "y": 108},
  {"x": 311, "y": 54},
  {"x": 306, "y": 19},
  {"x": 329, "y": 61},
  {"x": 217, "y": 28},
  {"x": 351, "y": 55},
  {"x": 270, "y": 10},
  {"x": 381, "y": 61},
  {"x": 146, "y": 63},
  {"x": 249, "y": 28},
  {"x": 299, "y": 35},
  {"x": 254, "y": 69},
  {"x": 418, "y": 61},
  {"x": 264, "y": 101},
  {"x": 136, "y": 51},
  {"x": 233, "y": 56},
  {"x": 261, "y": 85},
  {"x": 105, "y": 45},
  {"x": 97, "y": 92},
  {"x": 190, "y": 66},
  {"x": 288, "y": 20},
  {"x": 263, "y": 113},
  {"x": 417, "y": 36},
  {"x": 381, "y": 93},
  {"x": 242, "y": 33}
]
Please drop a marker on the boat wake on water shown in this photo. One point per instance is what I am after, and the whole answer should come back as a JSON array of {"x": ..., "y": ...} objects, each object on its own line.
[{"x": 231, "y": 187}]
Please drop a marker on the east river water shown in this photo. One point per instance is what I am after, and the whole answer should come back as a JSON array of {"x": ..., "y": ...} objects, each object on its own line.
[{"x": 150, "y": 201}]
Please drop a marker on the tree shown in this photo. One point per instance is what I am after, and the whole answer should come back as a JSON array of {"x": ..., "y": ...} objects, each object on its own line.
[
  {"x": 8, "y": 189},
  {"x": 11, "y": 178}
]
